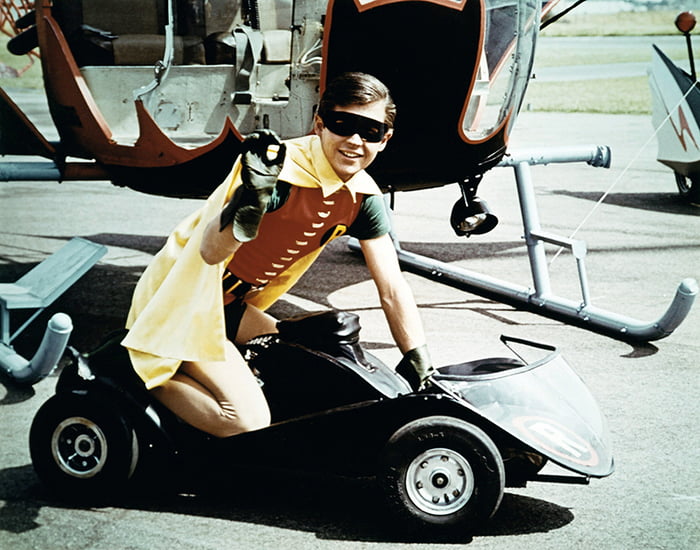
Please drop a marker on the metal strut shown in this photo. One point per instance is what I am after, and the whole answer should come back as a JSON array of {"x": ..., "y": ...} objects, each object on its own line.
[
  {"x": 541, "y": 300},
  {"x": 162, "y": 66}
]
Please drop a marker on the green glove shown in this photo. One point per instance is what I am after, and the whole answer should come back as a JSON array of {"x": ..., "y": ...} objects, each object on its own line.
[
  {"x": 416, "y": 367},
  {"x": 259, "y": 175}
]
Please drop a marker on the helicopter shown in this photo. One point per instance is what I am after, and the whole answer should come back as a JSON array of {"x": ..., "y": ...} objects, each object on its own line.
[
  {"x": 154, "y": 95},
  {"x": 676, "y": 107},
  {"x": 157, "y": 96}
]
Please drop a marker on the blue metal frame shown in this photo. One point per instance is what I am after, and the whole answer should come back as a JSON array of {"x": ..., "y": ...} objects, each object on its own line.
[{"x": 38, "y": 289}]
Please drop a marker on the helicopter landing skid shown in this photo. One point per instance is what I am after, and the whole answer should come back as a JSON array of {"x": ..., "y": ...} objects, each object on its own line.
[{"x": 540, "y": 299}]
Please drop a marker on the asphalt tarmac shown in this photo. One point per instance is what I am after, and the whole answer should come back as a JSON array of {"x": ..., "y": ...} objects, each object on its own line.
[{"x": 642, "y": 242}]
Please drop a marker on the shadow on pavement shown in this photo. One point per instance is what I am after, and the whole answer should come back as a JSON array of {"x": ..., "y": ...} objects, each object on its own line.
[
  {"x": 333, "y": 508},
  {"x": 99, "y": 302},
  {"x": 669, "y": 203}
]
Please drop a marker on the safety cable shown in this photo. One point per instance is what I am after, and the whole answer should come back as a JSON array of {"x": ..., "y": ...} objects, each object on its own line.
[{"x": 624, "y": 171}]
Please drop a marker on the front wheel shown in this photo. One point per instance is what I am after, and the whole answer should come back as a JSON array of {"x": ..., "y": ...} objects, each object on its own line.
[
  {"x": 442, "y": 473},
  {"x": 689, "y": 187},
  {"x": 82, "y": 449}
]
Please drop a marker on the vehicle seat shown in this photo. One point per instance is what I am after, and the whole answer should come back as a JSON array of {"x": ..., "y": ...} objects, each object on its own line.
[
  {"x": 276, "y": 27},
  {"x": 337, "y": 333},
  {"x": 277, "y": 46},
  {"x": 321, "y": 330},
  {"x": 479, "y": 368},
  {"x": 135, "y": 29}
]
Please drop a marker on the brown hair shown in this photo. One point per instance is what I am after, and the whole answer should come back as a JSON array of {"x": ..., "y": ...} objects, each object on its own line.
[{"x": 355, "y": 88}]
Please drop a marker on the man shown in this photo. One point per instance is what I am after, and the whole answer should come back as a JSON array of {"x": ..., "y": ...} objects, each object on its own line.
[{"x": 259, "y": 232}]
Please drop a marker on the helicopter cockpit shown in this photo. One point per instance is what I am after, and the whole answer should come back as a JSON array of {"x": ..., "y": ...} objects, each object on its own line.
[{"x": 162, "y": 83}]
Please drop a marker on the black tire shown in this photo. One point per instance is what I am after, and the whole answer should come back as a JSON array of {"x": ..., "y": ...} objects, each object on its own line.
[
  {"x": 689, "y": 187},
  {"x": 81, "y": 448},
  {"x": 443, "y": 474}
]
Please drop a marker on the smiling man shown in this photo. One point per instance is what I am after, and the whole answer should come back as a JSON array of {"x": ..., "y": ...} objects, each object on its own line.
[{"x": 258, "y": 233}]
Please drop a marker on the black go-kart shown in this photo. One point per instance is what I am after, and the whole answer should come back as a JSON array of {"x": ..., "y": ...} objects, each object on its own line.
[{"x": 442, "y": 455}]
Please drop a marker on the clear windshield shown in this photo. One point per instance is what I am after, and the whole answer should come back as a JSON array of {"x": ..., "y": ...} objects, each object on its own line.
[
  {"x": 510, "y": 32},
  {"x": 547, "y": 406}
]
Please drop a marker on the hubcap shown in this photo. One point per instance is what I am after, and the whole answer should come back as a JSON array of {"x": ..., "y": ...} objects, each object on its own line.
[
  {"x": 439, "y": 481},
  {"x": 79, "y": 447}
]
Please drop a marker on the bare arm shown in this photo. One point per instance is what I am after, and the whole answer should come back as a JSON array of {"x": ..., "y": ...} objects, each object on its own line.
[
  {"x": 394, "y": 293},
  {"x": 262, "y": 157},
  {"x": 217, "y": 245}
]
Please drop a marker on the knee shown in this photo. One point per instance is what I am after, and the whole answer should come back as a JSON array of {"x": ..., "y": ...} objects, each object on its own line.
[{"x": 233, "y": 422}]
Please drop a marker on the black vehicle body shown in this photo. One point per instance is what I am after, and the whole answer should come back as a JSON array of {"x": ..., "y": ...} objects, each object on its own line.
[{"x": 337, "y": 409}]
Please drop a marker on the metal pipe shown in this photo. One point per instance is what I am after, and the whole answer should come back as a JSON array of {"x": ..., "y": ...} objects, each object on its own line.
[
  {"x": 162, "y": 67},
  {"x": 555, "y": 307},
  {"x": 29, "y": 171},
  {"x": 50, "y": 351},
  {"x": 541, "y": 300},
  {"x": 691, "y": 58},
  {"x": 598, "y": 156},
  {"x": 531, "y": 225},
  {"x": 49, "y": 171}
]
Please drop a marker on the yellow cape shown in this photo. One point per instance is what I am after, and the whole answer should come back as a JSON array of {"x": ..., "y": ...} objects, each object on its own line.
[{"x": 177, "y": 311}]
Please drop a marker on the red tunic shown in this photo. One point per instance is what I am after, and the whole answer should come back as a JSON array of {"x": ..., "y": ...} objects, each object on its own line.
[{"x": 303, "y": 224}]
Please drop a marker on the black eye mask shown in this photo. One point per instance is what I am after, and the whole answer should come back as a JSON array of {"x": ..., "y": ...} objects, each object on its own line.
[{"x": 346, "y": 124}]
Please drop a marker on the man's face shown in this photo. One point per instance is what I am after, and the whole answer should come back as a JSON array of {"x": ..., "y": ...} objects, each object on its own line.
[{"x": 350, "y": 154}]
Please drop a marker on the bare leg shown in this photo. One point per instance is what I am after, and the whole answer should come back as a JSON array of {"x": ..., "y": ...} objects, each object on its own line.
[
  {"x": 254, "y": 323},
  {"x": 220, "y": 398}
]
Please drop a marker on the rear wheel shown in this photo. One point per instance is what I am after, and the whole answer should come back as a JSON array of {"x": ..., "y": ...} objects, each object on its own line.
[
  {"x": 442, "y": 473},
  {"x": 81, "y": 448},
  {"x": 689, "y": 187}
]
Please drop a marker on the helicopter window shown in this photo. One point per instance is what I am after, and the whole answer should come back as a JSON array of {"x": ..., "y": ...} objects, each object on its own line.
[{"x": 501, "y": 78}]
